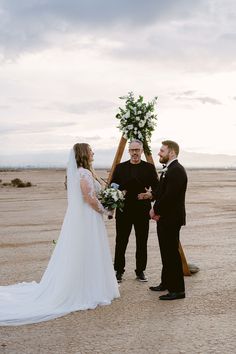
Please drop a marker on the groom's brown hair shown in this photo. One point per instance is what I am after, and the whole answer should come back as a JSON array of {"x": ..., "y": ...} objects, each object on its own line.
[{"x": 172, "y": 145}]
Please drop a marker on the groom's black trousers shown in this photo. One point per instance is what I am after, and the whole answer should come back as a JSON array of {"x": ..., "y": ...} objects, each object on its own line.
[
  {"x": 172, "y": 271},
  {"x": 124, "y": 223}
]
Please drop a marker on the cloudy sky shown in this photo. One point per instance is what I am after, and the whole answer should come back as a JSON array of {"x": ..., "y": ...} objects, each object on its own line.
[{"x": 64, "y": 64}]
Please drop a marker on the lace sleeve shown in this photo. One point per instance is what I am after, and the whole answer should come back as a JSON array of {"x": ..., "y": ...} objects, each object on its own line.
[{"x": 88, "y": 190}]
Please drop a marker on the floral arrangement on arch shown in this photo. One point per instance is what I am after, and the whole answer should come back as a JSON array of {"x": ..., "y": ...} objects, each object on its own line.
[{"x": 137, "y": 119}]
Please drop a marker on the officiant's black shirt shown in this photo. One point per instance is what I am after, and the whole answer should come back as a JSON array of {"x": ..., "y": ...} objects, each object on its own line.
[{"x": 134, "y": 178}]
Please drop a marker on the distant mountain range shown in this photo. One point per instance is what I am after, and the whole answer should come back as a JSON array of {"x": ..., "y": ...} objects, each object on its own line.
[
  {"x": 104, "y": 159},
  {"x": 193, "y": 159}
]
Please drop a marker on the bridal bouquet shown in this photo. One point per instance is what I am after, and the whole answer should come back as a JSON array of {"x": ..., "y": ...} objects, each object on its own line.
[
  {"x": 112, "y": 198},
  {"x": 137, "y": 119}
]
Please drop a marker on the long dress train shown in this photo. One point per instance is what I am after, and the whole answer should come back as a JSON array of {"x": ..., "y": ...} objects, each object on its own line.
[{"x": 80, "y": 273}]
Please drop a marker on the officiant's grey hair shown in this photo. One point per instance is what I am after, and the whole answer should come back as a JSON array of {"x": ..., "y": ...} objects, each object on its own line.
[{"x": 136, "y": 141}]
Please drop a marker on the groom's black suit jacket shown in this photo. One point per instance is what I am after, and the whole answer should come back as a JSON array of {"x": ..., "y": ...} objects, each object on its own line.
[{"x": 170, "y": 194}]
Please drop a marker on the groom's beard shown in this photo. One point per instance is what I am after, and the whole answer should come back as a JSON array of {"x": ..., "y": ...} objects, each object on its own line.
[{"x": 164, "y": 159}]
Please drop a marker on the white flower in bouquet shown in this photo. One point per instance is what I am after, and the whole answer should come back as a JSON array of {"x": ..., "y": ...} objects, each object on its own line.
[{"x": 112, "y": 198}]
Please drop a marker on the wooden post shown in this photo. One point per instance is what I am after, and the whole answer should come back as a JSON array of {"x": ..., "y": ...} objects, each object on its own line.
[
  {"x": 117, "y": 158},
  {"x": 149, "y": 158},
  {"x": 185, "y": 265}
]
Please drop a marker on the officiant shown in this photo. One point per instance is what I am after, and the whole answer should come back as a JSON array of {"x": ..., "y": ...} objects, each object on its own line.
[{"x": 135, "y": 176}]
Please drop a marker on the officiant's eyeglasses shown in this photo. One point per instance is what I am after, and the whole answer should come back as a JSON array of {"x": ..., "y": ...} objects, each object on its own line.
[{"x": 134, "y": 150}]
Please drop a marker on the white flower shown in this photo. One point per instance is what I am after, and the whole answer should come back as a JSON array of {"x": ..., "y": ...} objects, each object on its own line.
[
  {"x": 164, "y": 170},
  {"x": 127, "y": 114},
  {"x": 141, "y": 124},
  {"x": 130, "y": 127},
  {"x": 112, "y": 198},
  {"x": 140, "y": 135}
]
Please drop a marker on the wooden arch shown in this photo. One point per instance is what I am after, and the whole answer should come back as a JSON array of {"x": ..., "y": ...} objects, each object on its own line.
[{"x": 149, "y": 158}]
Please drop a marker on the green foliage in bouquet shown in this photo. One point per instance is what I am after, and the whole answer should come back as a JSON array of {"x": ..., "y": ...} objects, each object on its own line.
[
  {"x": 112, "y": 198},
  {"x": 137, "y": 119}
]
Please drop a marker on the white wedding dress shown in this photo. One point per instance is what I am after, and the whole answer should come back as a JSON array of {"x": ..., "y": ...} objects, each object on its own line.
[{"x": 80, "y": 273}]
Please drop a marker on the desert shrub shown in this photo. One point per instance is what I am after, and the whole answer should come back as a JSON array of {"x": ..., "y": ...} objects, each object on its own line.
[
  {"x": 16, "y": 181},
  {"x": 19, "y": 183}
]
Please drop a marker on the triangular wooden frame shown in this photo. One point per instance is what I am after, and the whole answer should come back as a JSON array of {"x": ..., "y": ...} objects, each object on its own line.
[{"x": 149, "y": 158}]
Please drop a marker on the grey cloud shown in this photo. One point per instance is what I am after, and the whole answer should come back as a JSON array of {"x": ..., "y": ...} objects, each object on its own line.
[
  {"x": 85, "y": 107},
  {"x": 77, "y": 12},
  {"x": 228, "y": 37},
  {"x": 26, "y": 24},
  {"x": 32, "y": 128},
  {"x": 196, "y": 35},
  {"x": 189, "y": 92},
  {"x": 88, "y": 139},
  {"x": 196, "y": 42},
  {"x": 189, "y": 96},
  {"x": 183, "y": 94},
  {"x": 203, "y": 100},
  {"x": 4, "y": 106},
  {"x": 207, "y": 100}
]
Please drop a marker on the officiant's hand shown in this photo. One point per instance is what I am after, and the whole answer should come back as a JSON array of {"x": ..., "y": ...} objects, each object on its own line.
[
  {"x": 146, "y": 195},
  {"x": 153, "y": 216}
]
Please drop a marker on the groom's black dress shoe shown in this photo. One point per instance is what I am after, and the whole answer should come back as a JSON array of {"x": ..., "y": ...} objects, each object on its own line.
[
  {"x": 159, "y": 287},
  {"x": 173, "y": 296}
]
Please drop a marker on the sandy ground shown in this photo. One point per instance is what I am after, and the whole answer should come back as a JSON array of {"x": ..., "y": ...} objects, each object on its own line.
[{"x": 138, "y": 322}]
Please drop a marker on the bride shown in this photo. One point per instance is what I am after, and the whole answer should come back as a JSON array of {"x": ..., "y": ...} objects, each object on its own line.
[{"x": 80, "y": 273}]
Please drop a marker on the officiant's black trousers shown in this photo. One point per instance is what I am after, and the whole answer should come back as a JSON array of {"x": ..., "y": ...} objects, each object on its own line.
[
  {"x": 172, "y": 272},
  {"x": 124, "y": 223}
]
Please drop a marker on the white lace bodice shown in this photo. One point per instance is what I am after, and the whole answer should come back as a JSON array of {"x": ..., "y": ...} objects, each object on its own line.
[{"x": 90, "y": 189}]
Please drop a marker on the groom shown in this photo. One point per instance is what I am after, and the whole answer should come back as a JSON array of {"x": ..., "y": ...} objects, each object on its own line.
[{"x": 169, "y": 212}]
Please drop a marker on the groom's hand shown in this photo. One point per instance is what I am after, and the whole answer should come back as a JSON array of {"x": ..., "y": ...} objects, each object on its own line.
[{"x": 153, "y": 216}]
